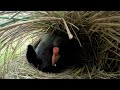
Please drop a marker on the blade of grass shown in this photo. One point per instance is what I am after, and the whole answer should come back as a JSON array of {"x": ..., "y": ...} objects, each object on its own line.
[
  {"x": 88, "y": 72},
  {"x": 67, "y": 29},
  {"x": 105, "y": 19},
  {"x": 30, "y": 21}
]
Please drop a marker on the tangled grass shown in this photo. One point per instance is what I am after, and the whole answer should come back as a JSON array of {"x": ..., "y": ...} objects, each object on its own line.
[{"x": 98, "y": 33}]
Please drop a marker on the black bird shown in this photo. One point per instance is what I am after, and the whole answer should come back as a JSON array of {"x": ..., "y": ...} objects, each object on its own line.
[{"x": 54, "y": 53}]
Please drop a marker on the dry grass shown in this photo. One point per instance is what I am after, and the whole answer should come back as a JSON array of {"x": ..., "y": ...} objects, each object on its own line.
[
  {"x": 20, "y": 69},
  {"x": 98, "y": 33}
]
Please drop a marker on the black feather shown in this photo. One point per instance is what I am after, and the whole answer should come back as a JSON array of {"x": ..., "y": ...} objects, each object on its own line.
[{"x": 41, "y": 53}]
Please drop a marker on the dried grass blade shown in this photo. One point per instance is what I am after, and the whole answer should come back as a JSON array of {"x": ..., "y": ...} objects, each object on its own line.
[
  {"x": 111, "y": 43},
  {"x": 109, "y": 24},
  {"x": 106, "y": 18},
  {"x": 67, "y": 29},
  {"x": 115, "y": 52},
  {"x": 112, "y": 36},
  {"x": 30, "y": 21},
  {"x": 77, "y": 38},
  {"x": 96, "y": 15},
  {"x": 88, "y": 72},
  {"x": 74, "y": 25}
]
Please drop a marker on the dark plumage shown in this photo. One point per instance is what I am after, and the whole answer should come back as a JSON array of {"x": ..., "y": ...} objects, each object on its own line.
[{"x": 41, "y": 55}]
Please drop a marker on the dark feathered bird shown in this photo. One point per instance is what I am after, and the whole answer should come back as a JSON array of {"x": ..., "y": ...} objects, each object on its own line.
[{"x": 54, "y": 53}]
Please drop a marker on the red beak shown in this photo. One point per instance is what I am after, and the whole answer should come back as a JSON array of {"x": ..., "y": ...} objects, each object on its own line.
[{"x": 55, "y": 55}]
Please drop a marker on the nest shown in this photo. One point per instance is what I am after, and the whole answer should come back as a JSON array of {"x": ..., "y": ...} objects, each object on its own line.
[
  {"x": 97, "y": 32},
  {"x": 21, "y": 69}
]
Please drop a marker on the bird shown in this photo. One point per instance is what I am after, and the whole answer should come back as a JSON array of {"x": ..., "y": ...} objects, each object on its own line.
[{"x": 54, "y": 53}]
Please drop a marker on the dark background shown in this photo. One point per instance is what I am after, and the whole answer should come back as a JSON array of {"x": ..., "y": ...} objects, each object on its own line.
[{"x": 75, "y": 5}]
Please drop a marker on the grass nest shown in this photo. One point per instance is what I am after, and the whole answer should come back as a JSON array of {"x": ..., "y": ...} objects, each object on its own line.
[{"x": 98, "y": 34}]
